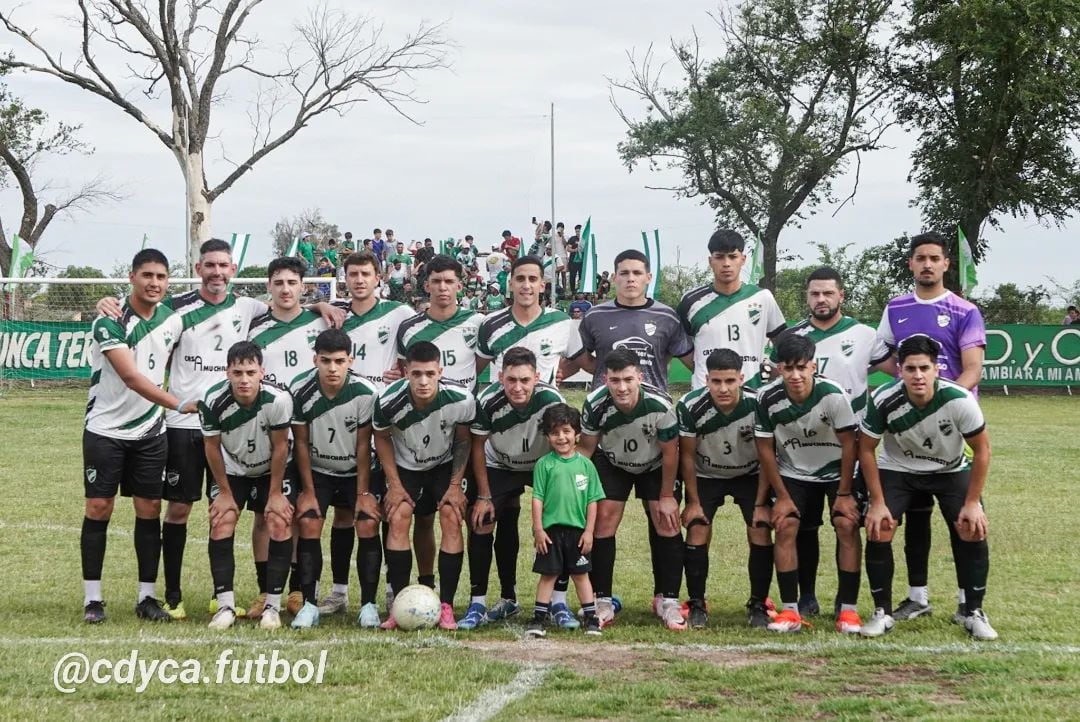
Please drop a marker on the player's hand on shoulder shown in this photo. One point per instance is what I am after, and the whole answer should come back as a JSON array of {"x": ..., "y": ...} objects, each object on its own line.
[
  {"x": 334, "y": 316},
  {"x": 391, "y": 375},
  {"x": 109, "y": 307}
]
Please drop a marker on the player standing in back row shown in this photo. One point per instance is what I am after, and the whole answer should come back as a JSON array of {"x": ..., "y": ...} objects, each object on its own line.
[{"x": 729, "y": 314}]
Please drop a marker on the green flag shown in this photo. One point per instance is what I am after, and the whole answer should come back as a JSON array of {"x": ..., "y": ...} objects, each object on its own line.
[
  {"x": 757, "y": 261},
  {"x": 652, "y": 254},
  {"x": 968, "y": 276},
  {"x": 294, "y": 247},
  {"x": 588, "y": 259},
  {"x": 145, "y": 240},
  {"x": 446, "y": 247},
  {"x": 22, "y": 257}
]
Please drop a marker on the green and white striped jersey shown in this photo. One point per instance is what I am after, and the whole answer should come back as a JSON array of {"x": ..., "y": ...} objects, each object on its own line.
[
  {"x": 807, "y": 447},
  {"x": 631, "y": 441},
  {"x": 455, "y": 337},
  {"x": 547, "y": 336},
  {"x": 288, "y": 346},
  {"x": 725, "y": 442},
  {"x": 742, "y": 322},
  {"x": 923, "y": 441},
  {"x": 199, "y": 360},
  {"x": 374, "y": 337},
  {"x": 846, "y": 353},
  {"x": 332, "y": 423},
  {"x": 113, "y": 409},
  {"x": 423, "y": 438},
  {"x": 515, "y": 438},
  {"x": 245, "y": 431}
]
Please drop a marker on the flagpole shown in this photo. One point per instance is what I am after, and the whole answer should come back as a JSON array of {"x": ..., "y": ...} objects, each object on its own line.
[{"x": 552, "y": 175}]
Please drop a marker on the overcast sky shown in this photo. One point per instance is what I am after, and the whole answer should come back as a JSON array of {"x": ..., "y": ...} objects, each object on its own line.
[{"x": 480, "y": 161}]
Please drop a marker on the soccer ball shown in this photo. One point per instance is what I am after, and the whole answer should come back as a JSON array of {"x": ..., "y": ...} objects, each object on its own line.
[{"x": 416, "y": 607}]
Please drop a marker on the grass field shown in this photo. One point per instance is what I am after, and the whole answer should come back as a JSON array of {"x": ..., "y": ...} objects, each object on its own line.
[{"x": 925, "y": 669}]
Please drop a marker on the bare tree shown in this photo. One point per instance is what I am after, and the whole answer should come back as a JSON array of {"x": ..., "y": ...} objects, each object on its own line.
[
  {"x": 188, "y": 52},
  {"x": 25, "y": 138}
]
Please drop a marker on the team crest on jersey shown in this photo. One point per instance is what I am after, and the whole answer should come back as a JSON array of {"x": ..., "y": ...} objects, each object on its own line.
[
  {"x": 168, "y": 338},
  {"x": 350, "y": 424},
  {"x": 312, "y": 335},
  {"x": 91, "y": 475},
  {"x": 650, "y": 328},
  {"x": 442, "y": 424},
  {"x": 746, "y": 433},
  {"x": 236, "y": 323},
  {"x": 648, "y": 429},
  {"x": 384, "y": 334},
  {"x": 943, "y": 319},
  {"x": 469, "y": 335},
  {"x": 545, "y": 348},
  {"x": 581, "y": 481},
  {"x": 847, "y": 348},
  {"x": 946, "y": 428},
  {"x": 753, "y": 310},
  {"x": 824, "y": 417}
]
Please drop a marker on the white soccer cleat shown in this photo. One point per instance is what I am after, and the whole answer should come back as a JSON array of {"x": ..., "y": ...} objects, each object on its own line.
[
  {"x": 878, "y": 624},
  {"x": 369, "y": 616},
  {"x": 224, "y": 618},
  {"x": 671, "y": 615},
  {"x": 978, "y": 626},
  {"x": 333, "y": 603},
  {"x": 270, "y": 619},
  {"x": 605, "y": 611}
]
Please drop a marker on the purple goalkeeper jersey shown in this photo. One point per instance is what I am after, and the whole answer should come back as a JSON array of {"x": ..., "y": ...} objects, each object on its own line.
[{"x": 948, "y": 319}]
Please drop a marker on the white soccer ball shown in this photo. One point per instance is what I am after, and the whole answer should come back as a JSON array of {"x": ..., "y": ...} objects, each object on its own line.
[{"x": 416, "y": 607}]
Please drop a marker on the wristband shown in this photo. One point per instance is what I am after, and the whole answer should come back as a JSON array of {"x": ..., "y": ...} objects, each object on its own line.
[
  {"x": 760, "y": 505},
  {"x": 483, "y": 498},
  {"x": 179, "y": 405},
  {"x": 366, "y": 493},
  {"x": 843, "y": 493}
]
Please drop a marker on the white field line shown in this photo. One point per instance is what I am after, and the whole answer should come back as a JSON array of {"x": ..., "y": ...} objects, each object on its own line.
[
  {"x": 491, "y": 702},
  {"x": 286, "y": 640},
  {"x": 113, "y": 531}
]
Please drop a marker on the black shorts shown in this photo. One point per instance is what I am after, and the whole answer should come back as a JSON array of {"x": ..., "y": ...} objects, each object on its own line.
[
  {"x": 251, "y": 492},
  {"x": 187, "y": 475},
  {"x": 903, "y": 491},
  {"x": 135, "y": 467},
  {"x": 377, "y": 487},
  {"x": 334, "y": 491},
  {"x": 618, "y": 482},
  {"x": 809, "y": 498},
  {"x": 741, "y": 489},
  {"x": 563, "y": 554},
  {"x": 506, "y": 488},
  {"x": 426, "y": 488}
]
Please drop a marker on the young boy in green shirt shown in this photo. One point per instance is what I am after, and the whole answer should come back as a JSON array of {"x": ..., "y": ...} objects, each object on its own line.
[{"x": 566, "y": 488}]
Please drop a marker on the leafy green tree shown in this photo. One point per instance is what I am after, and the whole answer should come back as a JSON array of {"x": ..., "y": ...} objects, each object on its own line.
[
  {"x": 992, "y": 88},
  {"x": 761, "y": 132},
  {"x": 77, "y": 301},
  {"x": 675, "y": 280},
  {"x": 1011, "y": 304}
]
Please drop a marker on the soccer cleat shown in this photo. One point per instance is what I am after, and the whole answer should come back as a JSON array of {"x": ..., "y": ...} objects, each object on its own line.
[
  {"x": 616, "y": 604},
  {"x": 390, "y": 622},
  {"x": 369, "y": 616},
  {"x": 757, "y": 614},
  {"x": 878, "y": 624},
  {"x": 178, "y": 613},
  {"x": 697, "y": 614},
  {"x": 333, "y": 603},
  {"x": 786, "y": 621},
  {"x": 446, "y": 618},
  {"x": 223, "y": 618},
  {"x": 150, "y": 609},
  {"x": 536, "y": 626},
  {"x": 848, "y": 622},
  {"x": 256, "y": 609},
  {"x": 978, "y": 626},
  {"x": 910, "y": 609},
  {"x": 960, "y": 615},
  {"x": 212, "y": 607},
  {"x": 671, "y": 615},
  {"x": 294, "y": 602},
  {"x": 605, "y": 610},
  {"x": 592, "y": 626},
  {"x": 808, "y": 606},
  {"x": 503, "y": 609},
  {"x": 563, "y": 617},
  {"x": 475, "y": 616},
  {"x": 307, "y": 617},
  {"x": 657, "y": 604},
  {"x": 94, "y": 612},
  {"x": 270, "y": 618}
]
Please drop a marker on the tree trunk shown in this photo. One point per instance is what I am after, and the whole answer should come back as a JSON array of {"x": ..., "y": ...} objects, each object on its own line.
[
  {"x": 198, "y": 206},
  {"x": 769, "y": 240}
]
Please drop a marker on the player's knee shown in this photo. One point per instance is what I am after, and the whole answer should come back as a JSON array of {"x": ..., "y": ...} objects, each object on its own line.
[
  {"x": 311, "y": 528},
  {"x": 844, "y": 527},
  {"x": 223, "y": 528},
  {"x": 99, "y": 509},
  {"x": 146, "y": 508},
  {"x": 279, "y": 530},
  {"x": 968, "y": 534},
  {"x": 367, "y": 528},
  {"x": 759, "y": 536},
  {"x": 787, "y": 529},
  {"x": 177, "y": 512},
  {"x": 697, "y": 535}
]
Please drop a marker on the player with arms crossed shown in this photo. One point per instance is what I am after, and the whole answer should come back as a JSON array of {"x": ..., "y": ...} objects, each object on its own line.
[
  {"x": 421, "y": 428},
  {"x": 332, "y": 407},
  {"x": 924, "y": 421},
  {"x": 245, "y": 422},
  {"x": 958, "y": 326},
  {"x": 507, "y": 440},
  {"x": 718, "y": 458},
  {"x": 805, "y": 435},
  {"x": 124, "y": 445},
  {"x": 634, "y": 428}
]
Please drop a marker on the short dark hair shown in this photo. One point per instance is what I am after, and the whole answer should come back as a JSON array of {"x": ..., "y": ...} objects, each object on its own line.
[
  {"x": 917, "y": 344},
  {"x": 726, "y": 240},
  {"x": 361, "y": 258},
  {"x": 793, "y": 348},
  {"x": 632, "y": 254},
  {"x": 577, "y": 227},
  {"x": 560, "y": 225},
  {"x": 1072, "y": 308},
  {"x": 389, "y": 230},
  {"x": 931, "y": 238},
  {"x": 519, "y": 356},
  {"x": 214, "y": 245},
  {"x": 243, "y": 351},
  {"x": 723, "y": 359},
  {"x": 149, "y": 255},
  {"x": 422, "y": 351},
  {"x": 468, "y": 237},
  {"x": 620, "y": 359},
  {"x": 332, "y": 340},
  {"x": 377, "y": 230},
  {"x": 442, "y": 262},
  {"x": 348, "y": 235},
  {"x": 506, "y": 234},
  {"x": 286, "y": 263},
  {"x": 825, "y": 273},
  {"x": 558, "y": 415},
  {"x": 524, "y": 261}
]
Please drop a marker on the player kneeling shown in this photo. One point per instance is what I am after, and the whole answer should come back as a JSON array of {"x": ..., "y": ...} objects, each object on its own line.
[
  {"x": 566, "y": 489},
  {"x": 924, "y": 421},
  {"x": 248, "y": 418}
]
